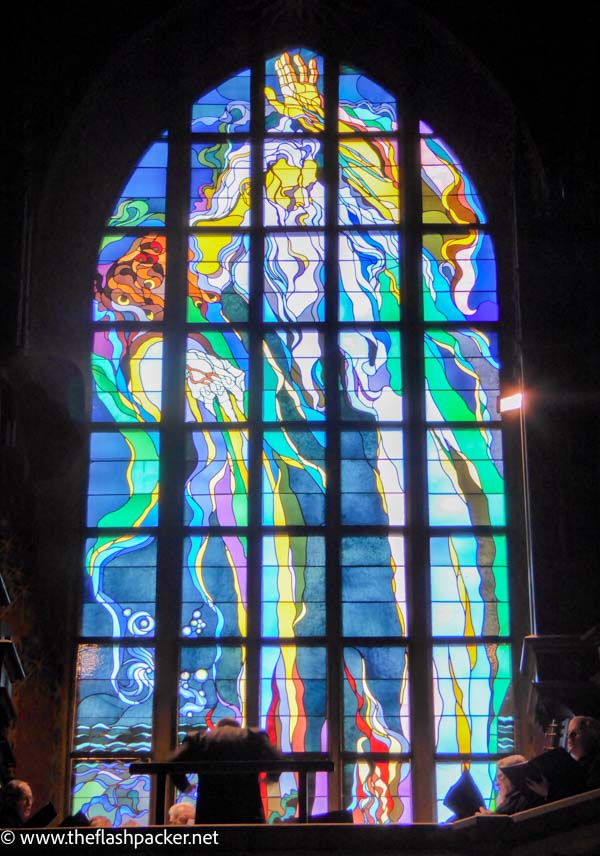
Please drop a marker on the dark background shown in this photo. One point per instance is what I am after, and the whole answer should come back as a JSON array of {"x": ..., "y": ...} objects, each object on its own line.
[{"x": 548, "y": 64}]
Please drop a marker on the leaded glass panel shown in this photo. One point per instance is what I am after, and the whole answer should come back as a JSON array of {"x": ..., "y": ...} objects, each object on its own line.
[{"x": 295, "y": 540}]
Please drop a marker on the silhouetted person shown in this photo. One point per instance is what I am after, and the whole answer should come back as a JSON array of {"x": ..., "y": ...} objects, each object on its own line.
[
  {"x": 16, "y": 801},
  {"x": 231, "y": 797}
]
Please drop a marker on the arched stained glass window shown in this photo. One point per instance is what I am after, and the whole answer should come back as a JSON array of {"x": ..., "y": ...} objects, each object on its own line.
[{"x": 296, "y": 510}]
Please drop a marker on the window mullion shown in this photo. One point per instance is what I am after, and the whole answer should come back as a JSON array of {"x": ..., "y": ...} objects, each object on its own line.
[
  {"x": 255, "y": 438},
  {"x": 333, "y": 439},
  {"x": 417, "y": 547},
  {"x": 172, "y": 463}
]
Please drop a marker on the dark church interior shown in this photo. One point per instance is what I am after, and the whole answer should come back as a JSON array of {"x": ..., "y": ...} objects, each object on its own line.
[{"x": 67, "y": 129}]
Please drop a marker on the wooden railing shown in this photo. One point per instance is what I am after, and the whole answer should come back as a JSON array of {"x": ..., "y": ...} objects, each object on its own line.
[{"x": 162, "y": 770}]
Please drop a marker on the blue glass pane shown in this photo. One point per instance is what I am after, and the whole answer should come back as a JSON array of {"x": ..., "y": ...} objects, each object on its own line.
[
  {"x": 469, "y": 586},
  {"x": 447, "y": 774},
  {"x": 293, "y": 381},
  {"x": 293, "y": 586},
  {"x": 461, "y": 375},
  {"x": 107, "y": 789},
  {"x": 373, "y": 586},
  {"x": 220, "y": 184},
  {"x": 473, "y": 706},
  {"x": 214, "y": 596},
  {"x": 294, "y": 277},
  {"x": 372, "y": 480},
  {"x": 293, "y": 697},
  {"x": 127, "y": 376},
  {"x": 371, "y": 374},
  {"x": 376, "y": 699},
  {"x": 211, "y": 686},
  {"x": 225, "y": 109},
  {"x": 218, "y": 278},
  {"x": 465, "y": 475},
  {"x": 293, "y": 193},
  {"x": 448, "y": 194},
  {"x": 216, "y": 486},
  {"x": 364, "y": 105},
  {"x": 294, "y": 478},
  {"x": 119, "y": 586},
  {"x": 369, "y": 181},
  {"x": 142, "y": 200},
  {"x": 459, "y": 277},
  {"x": 114, "y": 699},
  {"x": 123, "y": 479}
]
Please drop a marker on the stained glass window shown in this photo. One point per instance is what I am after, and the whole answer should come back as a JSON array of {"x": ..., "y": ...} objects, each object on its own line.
[{"x": 334, "y": 303}]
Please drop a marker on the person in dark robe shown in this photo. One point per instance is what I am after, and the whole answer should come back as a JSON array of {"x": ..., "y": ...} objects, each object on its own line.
[
  {"x": 227, "y": 798},
  {"x": 510, "y": 800}
]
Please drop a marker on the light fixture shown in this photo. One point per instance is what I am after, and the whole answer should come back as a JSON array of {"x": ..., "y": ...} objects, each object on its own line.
[{"x": 507, "y": 403}]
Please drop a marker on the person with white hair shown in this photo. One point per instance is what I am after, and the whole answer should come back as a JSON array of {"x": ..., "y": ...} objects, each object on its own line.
[
  {"x": 583, "y": 744},
  {"x": 509, "y": 799},
  {"x": 181, "y": 814}
]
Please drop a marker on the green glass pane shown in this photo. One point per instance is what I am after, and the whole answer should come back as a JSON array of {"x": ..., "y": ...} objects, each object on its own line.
[
  {"x": 462, "y": 380},
  {"x": 465, "y": 476},
  {"x": 123, "y": 479}
]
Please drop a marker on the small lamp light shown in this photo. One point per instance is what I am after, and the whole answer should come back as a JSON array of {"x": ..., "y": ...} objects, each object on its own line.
[{"x": 507, "y": 403}]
